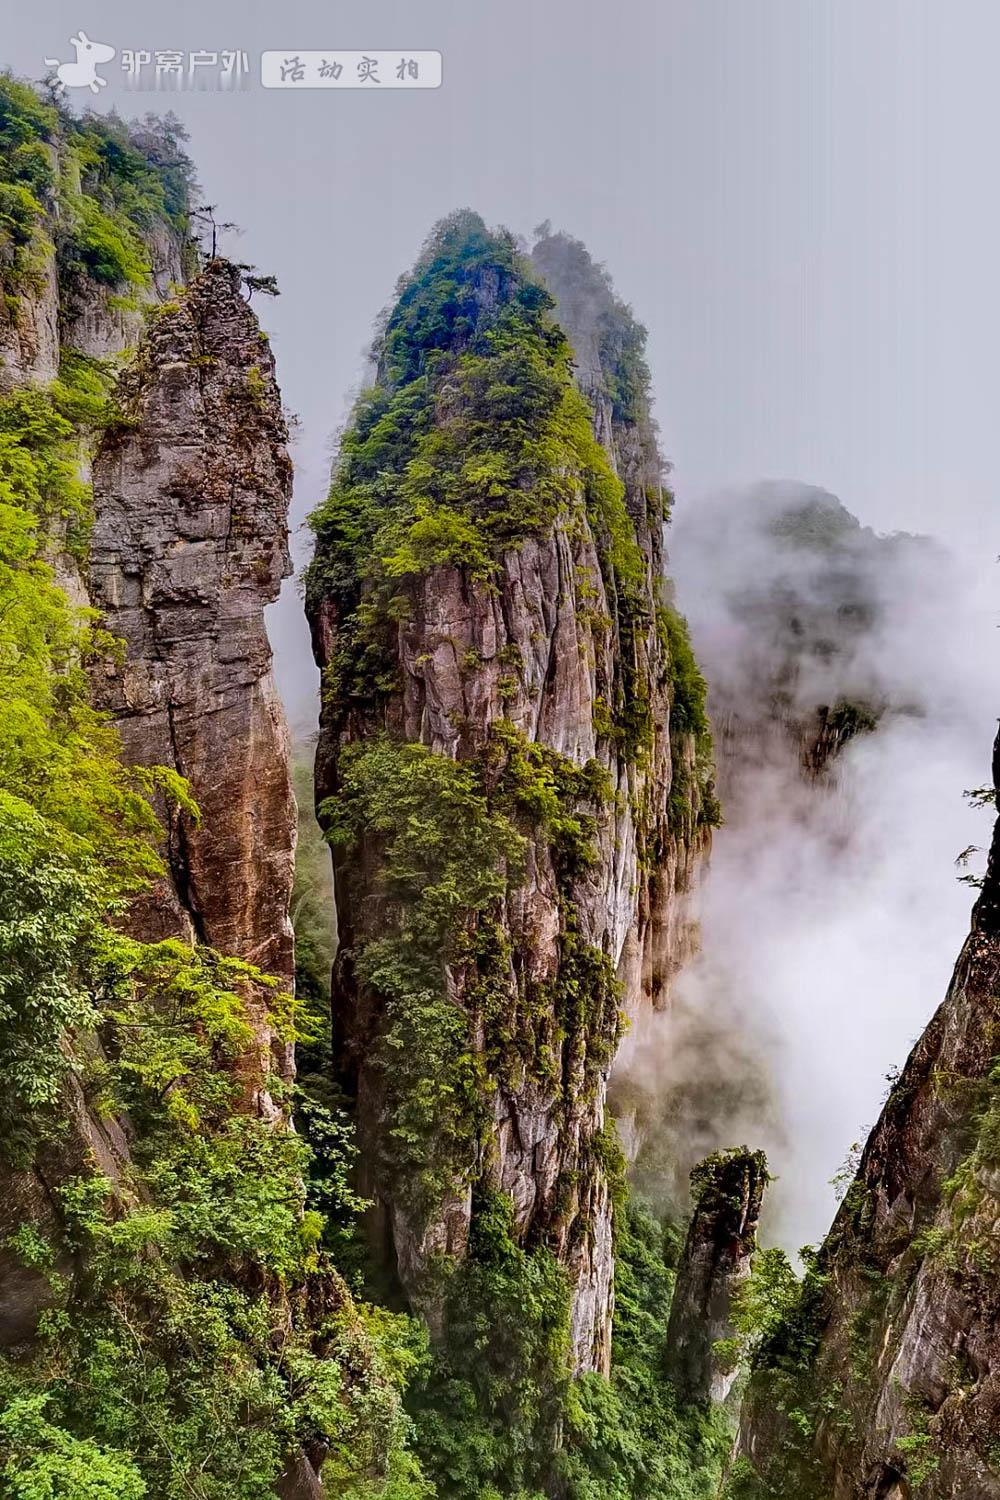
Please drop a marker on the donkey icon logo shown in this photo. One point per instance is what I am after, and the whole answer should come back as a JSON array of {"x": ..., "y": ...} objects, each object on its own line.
[{"x": 83, "y": 73}]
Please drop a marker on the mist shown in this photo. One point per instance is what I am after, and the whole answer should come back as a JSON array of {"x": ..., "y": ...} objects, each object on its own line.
[{"x": 832, "y": 910}]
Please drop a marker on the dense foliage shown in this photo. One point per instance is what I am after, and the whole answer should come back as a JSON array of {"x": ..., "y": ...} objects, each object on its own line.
[
  {"x": 193, "y": 1332},
  {"x": 194, "y": 1259},
  {"x": 474, "y": 438},
  {"x": 101, "y": 191},
  {"x": 784, "y": 1350},
  {"x": 447, "y": 855},
  {"x": 496, "y": 1412},
  {"x": 174, "y": 1367},
  {"x": 454, "y": 840},
  {"x": 628, "y": 1436},
  {"x": 489, "y": 1406}
]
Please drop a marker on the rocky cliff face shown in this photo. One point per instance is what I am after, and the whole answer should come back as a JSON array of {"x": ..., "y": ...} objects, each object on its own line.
[
  {"x": 187, "y": 531},
  {"x": 191, "y": 491},
  {"x": 884, "y": 1382},
  {"x": 29, "y": 332},
  {"x": 610, "y": 371},
  {"x": 500, "y": 637},
  {"x": 48, "y": 316},
  {"x": 67, "y": 289}
]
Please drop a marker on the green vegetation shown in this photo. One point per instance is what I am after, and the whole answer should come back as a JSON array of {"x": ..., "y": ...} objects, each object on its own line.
[
  {"x": 103, "y": 246},
  {"x": 181, "y": 1355},
  {"x": 93, "y": 185},
  {"x": 623, "y": 359},
  {"x": 490, "y": 1403},
  {"x": 41, "y": 433},
  {"x": 584, "y": 287},
  {"x": 496, "y": 1412},
  {"x": 780, "y": 1323},
  {"x": 43, "y": 1460},
  {"x": 452, "y": 836},
  {"x": 312, "y": 908},
  {"x": 687, "y": 685},
  {"x": 116, "y": 187},
  {"x": 920, "y": 1452},
  {"x": 474, "y": 439},
  {"x": 688, "y": 724},
  {"x": 628, "y": 1436},
  {"x": 446, "y": 861},
  {"x": 818, "y": 523},
  {"x": 795, "y": 1393},
  {"x": 165, "y": 1368},
  {"x": 26, "y": 181},
  {"x": 760, "y": 1305},
  {"x": 193, "y": 1332}
]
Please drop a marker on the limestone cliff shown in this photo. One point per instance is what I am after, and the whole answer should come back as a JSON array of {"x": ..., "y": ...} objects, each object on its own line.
[
  {"x": 884, "y": 1380},
  {"x": 189, "y": 481},
  {"x": 189, "y": 487},
  {"x": 191, "y": 491},
  {"x": 610, "y": 370},
  {"x": 144, "y": 485},
  {"x": 512, "y": 766},
  {"x": 175, "y": 489},
  {"x": 77, "y": 268},
  {"x": 57, "y": 315}
]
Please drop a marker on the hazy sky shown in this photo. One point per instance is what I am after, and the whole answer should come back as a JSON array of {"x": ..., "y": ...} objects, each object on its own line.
[{"x": 797, "y": 196}]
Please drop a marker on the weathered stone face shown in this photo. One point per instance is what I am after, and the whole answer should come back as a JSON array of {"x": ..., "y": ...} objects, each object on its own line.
[
  {"x": 52, "y": 312},
  {"x": 540, "y": 1136},
  {"x": 29, "y": 333},
  {"x": 539, "y": 650},
  {"x": 189, "y": 546},
  {"x": 28, "y": 1195}
]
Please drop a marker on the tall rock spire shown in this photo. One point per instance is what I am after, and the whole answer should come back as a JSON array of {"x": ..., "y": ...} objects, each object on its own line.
[
  {"x": 192, "y": 486},
  {"x": 511, "y": 768}
]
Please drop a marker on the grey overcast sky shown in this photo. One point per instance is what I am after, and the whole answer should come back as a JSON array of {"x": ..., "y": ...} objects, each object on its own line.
[{"x": 797, "y": 196}]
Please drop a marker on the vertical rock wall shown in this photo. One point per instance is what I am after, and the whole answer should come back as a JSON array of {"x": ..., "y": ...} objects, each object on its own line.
[
  {"x": 191, "y": 485},
  {"x": 45, "y": 315},
  {"x": 191, "y": 492},
  {"x": 610, "y": 370},
  {"x": 189, "y": 545},
  {"x": 548, "y": 662}
]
